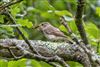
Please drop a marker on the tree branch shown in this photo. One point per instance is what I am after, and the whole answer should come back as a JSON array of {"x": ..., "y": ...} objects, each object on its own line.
[
  {"x": 78, "y": 20},
  {"x": 50, "y": 51}
]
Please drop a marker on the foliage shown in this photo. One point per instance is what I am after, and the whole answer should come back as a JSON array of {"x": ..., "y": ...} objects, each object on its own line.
[
  {"x": 29, "y": 62},
  {"x": 37, "y": 11}
]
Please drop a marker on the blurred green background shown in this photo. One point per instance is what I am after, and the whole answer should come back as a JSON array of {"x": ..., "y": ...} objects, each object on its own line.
[{"x": 30, "y": 13}]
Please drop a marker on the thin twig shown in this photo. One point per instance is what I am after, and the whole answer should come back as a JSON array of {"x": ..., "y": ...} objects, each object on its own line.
[
  {"x": 9, "y": 4},
  {"x": 64, "y": 22},
  {"x": 12, "y": 53},
  {"x": 98, "y": 46},
  {"x": 19, "y": 31},
  {"x": 12, "y": 25}
]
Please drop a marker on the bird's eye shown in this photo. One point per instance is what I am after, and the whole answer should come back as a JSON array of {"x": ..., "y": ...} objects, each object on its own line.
[{"x": 42, "y": 24}]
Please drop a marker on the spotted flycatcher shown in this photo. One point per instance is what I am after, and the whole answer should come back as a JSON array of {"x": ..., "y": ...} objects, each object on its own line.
[{"x": 52, "y": 33}]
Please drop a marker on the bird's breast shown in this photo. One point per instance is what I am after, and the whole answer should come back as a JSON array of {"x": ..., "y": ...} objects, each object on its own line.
[{"x": 50, "y": 37}]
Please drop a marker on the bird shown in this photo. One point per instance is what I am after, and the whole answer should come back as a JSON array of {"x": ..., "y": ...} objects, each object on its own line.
[{"x": 53, "y": 33}]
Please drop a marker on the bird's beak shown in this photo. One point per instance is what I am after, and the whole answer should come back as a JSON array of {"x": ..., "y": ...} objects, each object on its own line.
[{"x": 36, "y": 27}]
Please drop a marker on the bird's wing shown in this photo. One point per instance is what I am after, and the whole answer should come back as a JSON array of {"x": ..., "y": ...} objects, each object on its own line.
[{"x": 55, "y": 31}]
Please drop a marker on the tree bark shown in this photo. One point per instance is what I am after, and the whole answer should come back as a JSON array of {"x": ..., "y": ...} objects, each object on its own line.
[{"x": 66, "y": 51}]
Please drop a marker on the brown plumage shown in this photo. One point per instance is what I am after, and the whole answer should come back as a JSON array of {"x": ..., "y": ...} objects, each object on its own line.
[{"x": 52, "y": 33}]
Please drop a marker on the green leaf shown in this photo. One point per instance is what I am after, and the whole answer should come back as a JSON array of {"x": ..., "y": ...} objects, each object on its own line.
[
  {"x": 98, "y": 11},
  {"x": 3, "y": 63},
  {"x": 71, "y": 1},
  {"x": 25, "y": 22},
  {"x": 15, "y": 9},
  {"x": 62, "y": 28},
  {"x": 73, "y": 26},
  {"x": 10, "y": 29},
  {"x": 22, "y": 62},
  {"x": 2, "y": 18},
  {"x": 19, "y": 63},
  {"x": 12, "y": 64},
  {"x": 44, "y": 64},
  {"x": 47, "y": 15},
  {"x": 67, "y": 18},
  {"x": 35, "y": 63},
  {"x": 59, "y": 4},
  {"x": 75, "y": 64},
  {"x": 63, "y": 12},
  {"x": 6, "y": 32},
  {"x": 45, "y": 5},
  {"x": 24, "y": 32},
  {"x": 92, "y": 30}
]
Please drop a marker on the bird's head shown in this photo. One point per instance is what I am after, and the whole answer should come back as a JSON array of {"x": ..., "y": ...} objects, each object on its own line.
[{"x": 43, "y": 25}]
